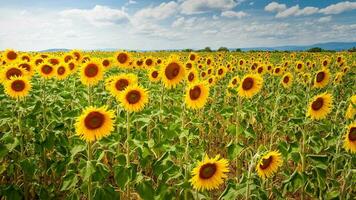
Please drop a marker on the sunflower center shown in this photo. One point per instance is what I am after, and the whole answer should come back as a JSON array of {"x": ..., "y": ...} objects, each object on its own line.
[
  {"x": 38, "y": 61},
  {"x": 94, "y": 120},
  {"x": 277, "y": 70},
  {"x": 241, "y": 62},
  {"x": 61, "y": 70},
  {"x": 71, "y": 66},
  {"x": 18, "y": 85},
  {"x": 192, "y": 57},
  {"x": 266, "y": 162},
  {"x": 352, "y": 134},
  {"x": 54, "y": 61},
  {"x": 320, "y": 77},
  {"x": 269, "y": 68},
  {"x": 106, "y": 63},
  {"x": 139, "y": 63},
  {"x": 207, "y": 171},
  {"x": 318, "y": 103},
  {"x": 247, "y": 84},
  {"x": 13, "y": 72},
  {"x": 188, "y": 65},
  {"x": 208, "y": 62},
  {"x": 91, "y": 70},
  {"x": 234, "y": 82},
  {"x": 299, "y": 66},
  {"x": 209, "y": 71},
  {"x": 172, "y": 70},
  {"x": 260, "y": 70},
  {"x": 286, "y": 79},
  {"x": 210, "y": 80},
  {"x": 154, "y": 74},
  {"x": 26, "y": 66},
  {"x": 220, "y": 71},
  {"x": 159, "y": 61},
  {"x": 325, "y": 63},
  {"x": 133, "y": 97},
  {"x": 26, "y": 58},
  {"x": 11, "y": 55},
  {"x": 67, "y": 58},
  {"x": 46, "y": 69},
  {"x": 191, "y": 76},
  {"x": 121, "y": 84},
  {"x": 77, "y": 56},
  {"x": 122, "y": 58},
  {"x": 195, "y": 93},
  {"x": 149, "y": 62},
  {"x": 203, "y": 74}
]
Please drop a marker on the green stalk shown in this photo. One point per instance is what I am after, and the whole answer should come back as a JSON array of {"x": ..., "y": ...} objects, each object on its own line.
[
  {"x": 90, "y": 180},
  {"x": 128, "y": 137}
]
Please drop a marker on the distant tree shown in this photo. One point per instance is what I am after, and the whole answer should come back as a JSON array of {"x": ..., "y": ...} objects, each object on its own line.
[
  {"x": 353, "y": 49},
  {"x": 238, "y": 50},
  {"x": 187, "y": 50},
  {"x": 207, "y": 49},
  {"x": 315, "y": 49},
  {"x": 223, "y": 49}
]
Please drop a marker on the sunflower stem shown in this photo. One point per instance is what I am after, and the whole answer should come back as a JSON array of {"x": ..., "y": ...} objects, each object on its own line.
[
  {"x": 22, "y": 139},
  {"x": 303, "y": 144},
  {"x": 128, "y": 137},
  {"x": 89, "y": 180}
]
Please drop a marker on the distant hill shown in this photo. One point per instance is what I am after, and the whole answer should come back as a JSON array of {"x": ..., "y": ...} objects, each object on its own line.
[{"x": 337, "y": 46}]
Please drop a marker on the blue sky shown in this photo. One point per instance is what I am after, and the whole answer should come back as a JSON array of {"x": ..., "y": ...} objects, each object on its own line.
[{"x": 173, "y": 24}]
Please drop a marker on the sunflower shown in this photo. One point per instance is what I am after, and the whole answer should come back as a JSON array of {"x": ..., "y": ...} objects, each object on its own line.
[
  {"x": 193, "y": 57},
  {"x": 261, "y": 69},
  {"x": 211, "y": 80},
  {"x": 153, "y": 75},
  {"x": 54, "y": 61},
  {"x": 149, "y": 62},
  {"x": 350, "y": 138},
  {"x": 95, "y": 123},
  {"x": 234, "y": 82},
  {"x": 338, "y": 77},
  {"x": 192, "y": 75},
  {"x": 118, "y": 83},
  {"x": 321, "y": 78},
  {"x": 277, "y": 71},
  {"x": 172, "y": 73},
  {"x": 299, "y": 66},
  {"x": 269, "y": 164},
  {"x": 196, "y": 95},
  {"x": 17, "y": 87},
  {"x": 325, "y": 62},
  {"x": 250, "y": 85},
  {"x": 67, "y": 57},
  {"x": 106, "y": 63},
  {"x": 91, "y": 73},
  {"x": 28, "y": 67},
  {"x": 72, "y": 66},
  {"x": 77, "y": 54},
  {"x": 11, "y": 71},
  {"x": 287, "y": 80},
  {"x": 25, "y": 58},
  {"x": 134, "y": 98},
  {"x": 123, "y": 58},
  {"x": 189, "y": 65},
  {"x": 210, "y": 173},
  {"x": 221, "y": 72},
  {"x": 46, "y": 70},
  {"x": 351, "y": 109},
  {"x": 320, "y": 106},
  {"x": 11, "y": 55},
  {"x": 62, "y": 72}
]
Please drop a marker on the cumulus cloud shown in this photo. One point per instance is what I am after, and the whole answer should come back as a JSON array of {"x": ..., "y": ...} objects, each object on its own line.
[
  {"x": 324, "y": 19},
  {"x": 338, "y": 8},
  {"x": 200, "y": 6},
  {"x": 99, "y": 15},
  {"x": 296, "y": 11},
  {"x": 233, "y": 14},
  {"x": 160, "y": 12},
  {"x": 275, "y": 7}
]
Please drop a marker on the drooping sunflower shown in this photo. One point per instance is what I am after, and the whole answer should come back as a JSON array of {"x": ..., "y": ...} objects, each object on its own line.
[
  {"x": 209, "y": 173},
  {"x": 153, "y": 75},
  {"x": 320, "y": 106},
  {"x": 269, "y": 164},
  {"x": 338, "y": 78},
  {"x": 172, "y": 72},
  {"x": 118, "y": 83},
  {"x": 250, "y": 85},
  {"x": 196, "y": 95},
  {"x": 77, "y": 54},
  {"x": 321, "y": 78},
  {"x": 95, "y": 123},
  {"x": 62, "y": 72},
  {"x": 350, "y": 138},
  {"x": 134, "y": 98},
  {"x": 11, "y": 55},
  {"x": 123, "y": 58},
  {"x": 91, "y": 73},
  {"x": 17, "y": 87},
  {"x": 25, "y": 58},
  {"x": 46, "y": 70},
  {"x": 28, "y": 67},
  {"x": 287, "y": 80}
]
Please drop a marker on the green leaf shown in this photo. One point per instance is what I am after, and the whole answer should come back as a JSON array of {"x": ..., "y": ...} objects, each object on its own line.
[
  {"x": 122, "y": 176},
  {"x": 89, "y": 170},
  {"x": 106, "y": 192},
  {"x": 69, "y": 181},
  {"x": 145, "y": 190}
]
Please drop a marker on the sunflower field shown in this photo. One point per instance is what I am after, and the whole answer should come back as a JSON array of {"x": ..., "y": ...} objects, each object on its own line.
[{"x": 177, "y": 125}]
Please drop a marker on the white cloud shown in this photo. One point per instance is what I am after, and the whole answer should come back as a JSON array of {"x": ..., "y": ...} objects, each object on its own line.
[
  {"x": 200, "y": 6},
  {"x": 275, "y": 7},
  {"x": 163, "y": 11},
  {"x": 324, "y": 19},
  {"x": 288, "y": 12},
  {"x": 307, "y": 11},
  {"x": 99, "y": 15},
  {"x": 338, "y": 8},
  {"x": 294, "y": 11},
  {"x": 233, "y": 14}
]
